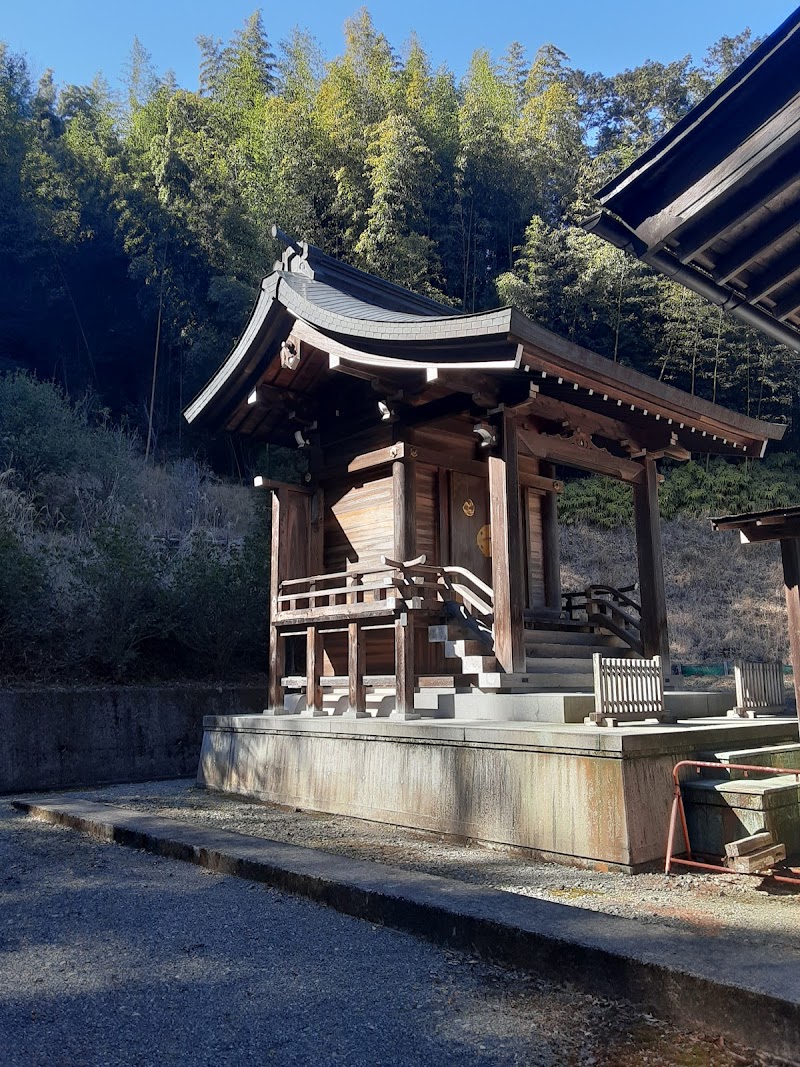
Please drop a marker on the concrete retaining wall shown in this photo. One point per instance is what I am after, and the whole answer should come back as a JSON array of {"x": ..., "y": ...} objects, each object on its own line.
[
  {"x": 575, "y": 794},
  {"x": 54, "y": 738}
]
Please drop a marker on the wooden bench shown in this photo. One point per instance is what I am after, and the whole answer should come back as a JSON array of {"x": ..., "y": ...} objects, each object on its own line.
[
  {"x": 627, "y": 690},
  {"x": 759, "y": 689}
]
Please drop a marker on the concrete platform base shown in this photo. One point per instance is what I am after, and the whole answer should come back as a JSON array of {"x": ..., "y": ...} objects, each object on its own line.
[{"x": 571, "y": 793}]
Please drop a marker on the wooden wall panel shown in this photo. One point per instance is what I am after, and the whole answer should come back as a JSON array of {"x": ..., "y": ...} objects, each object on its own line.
[
  {"x": 454, "y": 436},
  {"x": 428, "y": 512},
  {"x": 535, "y": 561},
  {"x": 359, "y": 526},
  {"x": 295, "y": 544}
]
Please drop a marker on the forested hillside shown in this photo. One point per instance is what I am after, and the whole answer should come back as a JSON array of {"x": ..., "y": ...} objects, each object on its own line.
[
  {"x": 143, "y": 216},
  {"x": 135, "y": 229}
]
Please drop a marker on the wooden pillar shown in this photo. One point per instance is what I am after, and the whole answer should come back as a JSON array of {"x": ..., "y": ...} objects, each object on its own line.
[
  {"x": 790, "y": 554},
  {"x": 277, "y": 643},
  {"x": 655, "y": 635},
  {"x": 316, "y": 541},
  {"x": 551, "y": 543},
  {"x": 405, "y": 679},
  {"x": 313, "y": 671},
  {"x": 356, "y": 667},
  {"x": 508, "y": 566},
  {"x": 404, "y": 492}
]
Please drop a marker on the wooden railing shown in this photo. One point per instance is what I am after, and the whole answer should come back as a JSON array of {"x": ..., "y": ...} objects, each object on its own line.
[
  {"x": 324, "y": 595},
  {"x": 395, "y": 593},
  {"x": 370, "y": 589},
  {"x": 607, "y": 608},
  {"x": 458, "y": 582}
]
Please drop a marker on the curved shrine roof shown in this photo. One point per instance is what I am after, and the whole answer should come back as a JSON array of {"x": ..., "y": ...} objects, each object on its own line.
[{"x": 345, "y": 328}]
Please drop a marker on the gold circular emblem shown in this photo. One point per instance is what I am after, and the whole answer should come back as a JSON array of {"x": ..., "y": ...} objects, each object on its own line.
[
  {"x": 484, "y": 540},
  {"x": 468, "y": 507}
]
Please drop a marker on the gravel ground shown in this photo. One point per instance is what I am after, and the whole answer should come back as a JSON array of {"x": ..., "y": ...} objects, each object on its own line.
[
  {"x": 749, "y": 908},
  {"x": 112, "y": 957}
]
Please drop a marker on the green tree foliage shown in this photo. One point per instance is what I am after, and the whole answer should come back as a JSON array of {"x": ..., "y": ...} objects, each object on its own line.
[{"x": 147, "y": 216}]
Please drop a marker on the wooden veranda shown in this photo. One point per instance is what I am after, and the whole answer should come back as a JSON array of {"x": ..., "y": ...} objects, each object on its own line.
[{"x": 422, "y": 549}]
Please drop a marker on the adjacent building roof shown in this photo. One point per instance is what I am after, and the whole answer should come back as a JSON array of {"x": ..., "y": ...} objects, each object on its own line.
[
  {"x": 715, "y": 203},
  {"x": 316, "y": 319},
  {"x": 773, "y": 525}
]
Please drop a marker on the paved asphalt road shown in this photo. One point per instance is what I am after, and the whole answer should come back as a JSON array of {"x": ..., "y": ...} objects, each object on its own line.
[{"x": 114, "y": 957}]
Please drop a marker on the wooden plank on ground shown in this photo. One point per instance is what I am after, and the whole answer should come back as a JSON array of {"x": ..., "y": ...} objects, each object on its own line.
[
  {"x": 745, "y": 845},
  {"x": 757, "y": 861}
]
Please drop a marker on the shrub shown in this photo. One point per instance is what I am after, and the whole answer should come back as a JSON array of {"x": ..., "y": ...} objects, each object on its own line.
[
  {"x": 124, "y": 577},
  {"x": 114, "y": 568}
]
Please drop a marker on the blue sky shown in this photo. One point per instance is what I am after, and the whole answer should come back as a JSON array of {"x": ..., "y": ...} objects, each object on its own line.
[{"x": 80, "y": 37}]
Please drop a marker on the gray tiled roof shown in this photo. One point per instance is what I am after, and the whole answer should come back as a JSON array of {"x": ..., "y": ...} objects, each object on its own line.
[{"x": 326, "y": 298}]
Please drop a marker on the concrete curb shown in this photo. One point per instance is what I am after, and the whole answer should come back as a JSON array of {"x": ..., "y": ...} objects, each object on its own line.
[{"x": 742, "y": 991}]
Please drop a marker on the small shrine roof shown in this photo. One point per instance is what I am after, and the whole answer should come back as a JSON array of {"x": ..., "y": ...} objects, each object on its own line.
[{"x": 337, "y": 320}]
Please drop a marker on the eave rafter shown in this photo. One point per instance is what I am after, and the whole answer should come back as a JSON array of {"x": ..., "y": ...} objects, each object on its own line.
[
  {"x": 764, "y": 166},
  {"x": 745, "y": 253},
  {"x": 621, "y": 401}
]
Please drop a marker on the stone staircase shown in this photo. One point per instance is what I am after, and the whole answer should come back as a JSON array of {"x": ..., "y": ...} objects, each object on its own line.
[{"x": 556, "y": 660}]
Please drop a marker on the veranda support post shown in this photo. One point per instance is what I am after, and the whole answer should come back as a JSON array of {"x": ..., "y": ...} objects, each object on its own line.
[
  {"x": 790, "y": 555},
  {"x": 404, "y": 484},
  {"x": 655, "y": 633},
  {"x": 508, "y": 569}
]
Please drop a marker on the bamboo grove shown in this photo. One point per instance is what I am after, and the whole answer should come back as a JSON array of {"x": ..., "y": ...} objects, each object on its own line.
[{"x": 136, "y": 223}]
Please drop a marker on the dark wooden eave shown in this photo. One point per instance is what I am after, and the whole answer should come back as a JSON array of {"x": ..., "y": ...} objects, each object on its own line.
[
  {"x": 424, "y": 366},
  {"x": 715, "y": 203}
]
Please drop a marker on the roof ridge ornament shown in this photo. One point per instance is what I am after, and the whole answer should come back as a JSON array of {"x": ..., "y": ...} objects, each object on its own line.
[{"x": 294, "y": 258}]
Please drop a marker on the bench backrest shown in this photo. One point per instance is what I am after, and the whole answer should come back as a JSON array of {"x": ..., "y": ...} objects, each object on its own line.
[
  {"x": 628, "y": 689},
  {"x": 758, "y": 685}
]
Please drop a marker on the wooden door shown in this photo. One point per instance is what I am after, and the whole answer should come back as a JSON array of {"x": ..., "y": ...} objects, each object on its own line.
[{"x": 470, "y": 533}]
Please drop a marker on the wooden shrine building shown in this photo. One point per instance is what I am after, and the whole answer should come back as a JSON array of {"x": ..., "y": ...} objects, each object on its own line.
[{"x": 422, "y": 550}]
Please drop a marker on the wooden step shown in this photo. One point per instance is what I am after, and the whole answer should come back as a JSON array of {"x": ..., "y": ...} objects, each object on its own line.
[
  {"x": 559, "y": 665},
  {"x": 456, "y": 631},
  {"x": 460, "y": 648},
  {"x": 478, "y": 664},
  {"x": 571, "y": 637},
  {"x": 557, "y": 650}
]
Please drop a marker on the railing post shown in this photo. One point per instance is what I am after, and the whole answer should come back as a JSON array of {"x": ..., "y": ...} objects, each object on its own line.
[
  {"x": 404, "y": 667},
  {"x": 356, "y": 668},
  {"x": 313, "y": 671}
]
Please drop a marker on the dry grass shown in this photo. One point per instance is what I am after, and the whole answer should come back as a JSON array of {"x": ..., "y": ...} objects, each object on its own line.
[{"x": 724, "y": 599}]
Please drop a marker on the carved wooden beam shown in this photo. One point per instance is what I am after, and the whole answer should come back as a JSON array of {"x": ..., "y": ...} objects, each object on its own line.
[
  {"x": 574, "y": 417},
  {"x": 579, "y": 419},
  {"x": 579, "y": 450}
]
